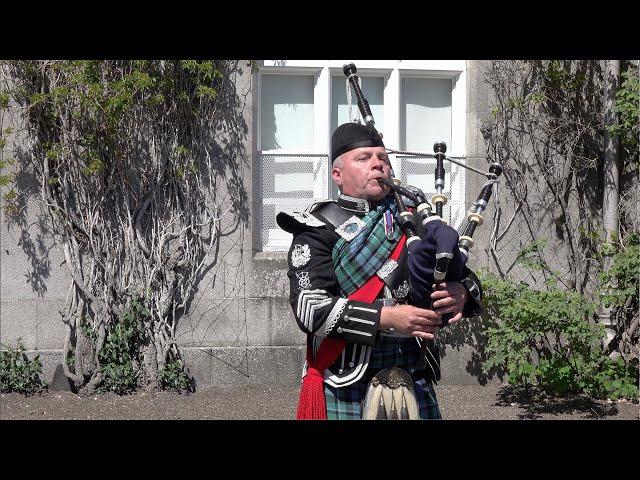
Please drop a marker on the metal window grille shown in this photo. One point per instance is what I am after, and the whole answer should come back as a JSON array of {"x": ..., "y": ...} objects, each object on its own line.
[
  {"x": 293, "y": 182},
  {"x": 289, "y": 182}
]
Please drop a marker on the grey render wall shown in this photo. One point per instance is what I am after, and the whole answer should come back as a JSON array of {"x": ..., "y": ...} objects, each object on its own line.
[
  {"x": 240, "y": 329},
  {"x": 33, "y": 286},
  {"x": 545, "y": 218}
]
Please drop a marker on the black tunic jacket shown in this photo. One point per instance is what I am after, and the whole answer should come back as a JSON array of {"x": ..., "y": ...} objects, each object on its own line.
[{"x": 319, "y": 309}]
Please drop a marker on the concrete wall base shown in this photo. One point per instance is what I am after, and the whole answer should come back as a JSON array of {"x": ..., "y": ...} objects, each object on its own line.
[{"x": 227, "y": 368}]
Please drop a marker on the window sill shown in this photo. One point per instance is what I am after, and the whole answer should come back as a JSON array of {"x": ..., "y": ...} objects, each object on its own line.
[{"x": 270, "y": 256}]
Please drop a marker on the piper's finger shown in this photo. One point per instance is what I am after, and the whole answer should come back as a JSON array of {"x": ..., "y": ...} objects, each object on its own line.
[
  {"x": 437, "y": 294},
  {"x": 423, "y": 335},
  {"x": 444, "y": 302},
  {"x": 426, "y": 314}
]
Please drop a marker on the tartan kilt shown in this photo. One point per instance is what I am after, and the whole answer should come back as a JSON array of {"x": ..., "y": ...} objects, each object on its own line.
[{"x": 345, "y": 403}]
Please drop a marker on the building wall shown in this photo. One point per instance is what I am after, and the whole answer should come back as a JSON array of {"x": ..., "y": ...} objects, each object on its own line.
[{"x": 240, "y": 329}]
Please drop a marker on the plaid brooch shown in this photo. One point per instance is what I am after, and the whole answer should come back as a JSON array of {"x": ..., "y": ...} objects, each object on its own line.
[{"x": 358, "y": 260}]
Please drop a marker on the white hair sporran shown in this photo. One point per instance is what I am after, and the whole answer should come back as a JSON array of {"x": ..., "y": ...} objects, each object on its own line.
[{"x": 390, "y": 396}]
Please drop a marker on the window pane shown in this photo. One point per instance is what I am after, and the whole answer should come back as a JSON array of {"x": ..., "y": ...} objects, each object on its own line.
[
  {"x": 287, "y": 112},
  {"x": 373, "y": 91},
  {"x": 426, "y": 113}
]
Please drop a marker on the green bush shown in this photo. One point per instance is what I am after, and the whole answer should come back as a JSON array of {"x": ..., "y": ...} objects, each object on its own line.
[
  {"x": 120, "y": 352},
  {"x": 622, "y": 279},
  {"x": 18, "y": 373},
  {"x": 546, "y": 339},
  {"x": 120, "y": 357},
  {"x": 627, "y": 106},
  {"x": 174, "y": 377}
]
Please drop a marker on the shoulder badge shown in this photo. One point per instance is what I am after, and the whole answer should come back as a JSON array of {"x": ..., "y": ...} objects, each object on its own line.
[
  {"x": 306, "y": 218},
  {"x": 294, "y": 222},
  {"x": 300, "y": 255}
]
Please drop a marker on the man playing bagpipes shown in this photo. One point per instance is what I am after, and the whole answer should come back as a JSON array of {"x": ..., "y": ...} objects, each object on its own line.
[{"x": 350, "y": 294}]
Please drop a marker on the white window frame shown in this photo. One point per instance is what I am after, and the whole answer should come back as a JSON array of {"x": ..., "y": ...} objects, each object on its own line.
[
  {"x": 392, "y": 71},
  {"x": 319, "y": 113}
]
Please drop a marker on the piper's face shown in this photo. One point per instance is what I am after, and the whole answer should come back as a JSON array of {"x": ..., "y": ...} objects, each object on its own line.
[{"x": 361, "y": 167}]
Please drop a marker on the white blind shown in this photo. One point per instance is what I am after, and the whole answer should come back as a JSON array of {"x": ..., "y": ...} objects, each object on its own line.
[
  {"x": 426, "y": 113},
  {"x": 373, "y": 91},
  {"x": 287, "y": 112}
]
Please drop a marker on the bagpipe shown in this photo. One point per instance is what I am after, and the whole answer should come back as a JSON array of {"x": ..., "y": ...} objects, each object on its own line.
[{"x": 440, "y": 252}]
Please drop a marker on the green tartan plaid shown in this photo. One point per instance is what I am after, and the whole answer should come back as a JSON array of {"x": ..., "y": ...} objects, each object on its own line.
[
  {"x": 358, "y": 260},
  {"x": 346, "y": 403}
]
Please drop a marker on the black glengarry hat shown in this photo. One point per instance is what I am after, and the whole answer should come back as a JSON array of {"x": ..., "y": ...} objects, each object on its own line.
[{"x": 353, "y": 135}]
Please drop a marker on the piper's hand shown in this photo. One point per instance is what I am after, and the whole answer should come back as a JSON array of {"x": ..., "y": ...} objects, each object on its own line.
[
  {"x": 449, "y": 297},
  {"x": 410, "y": 320}
]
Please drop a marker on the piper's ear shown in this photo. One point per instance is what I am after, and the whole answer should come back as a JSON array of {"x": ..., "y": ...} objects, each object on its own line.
[{"x": 336, "y": 174}]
